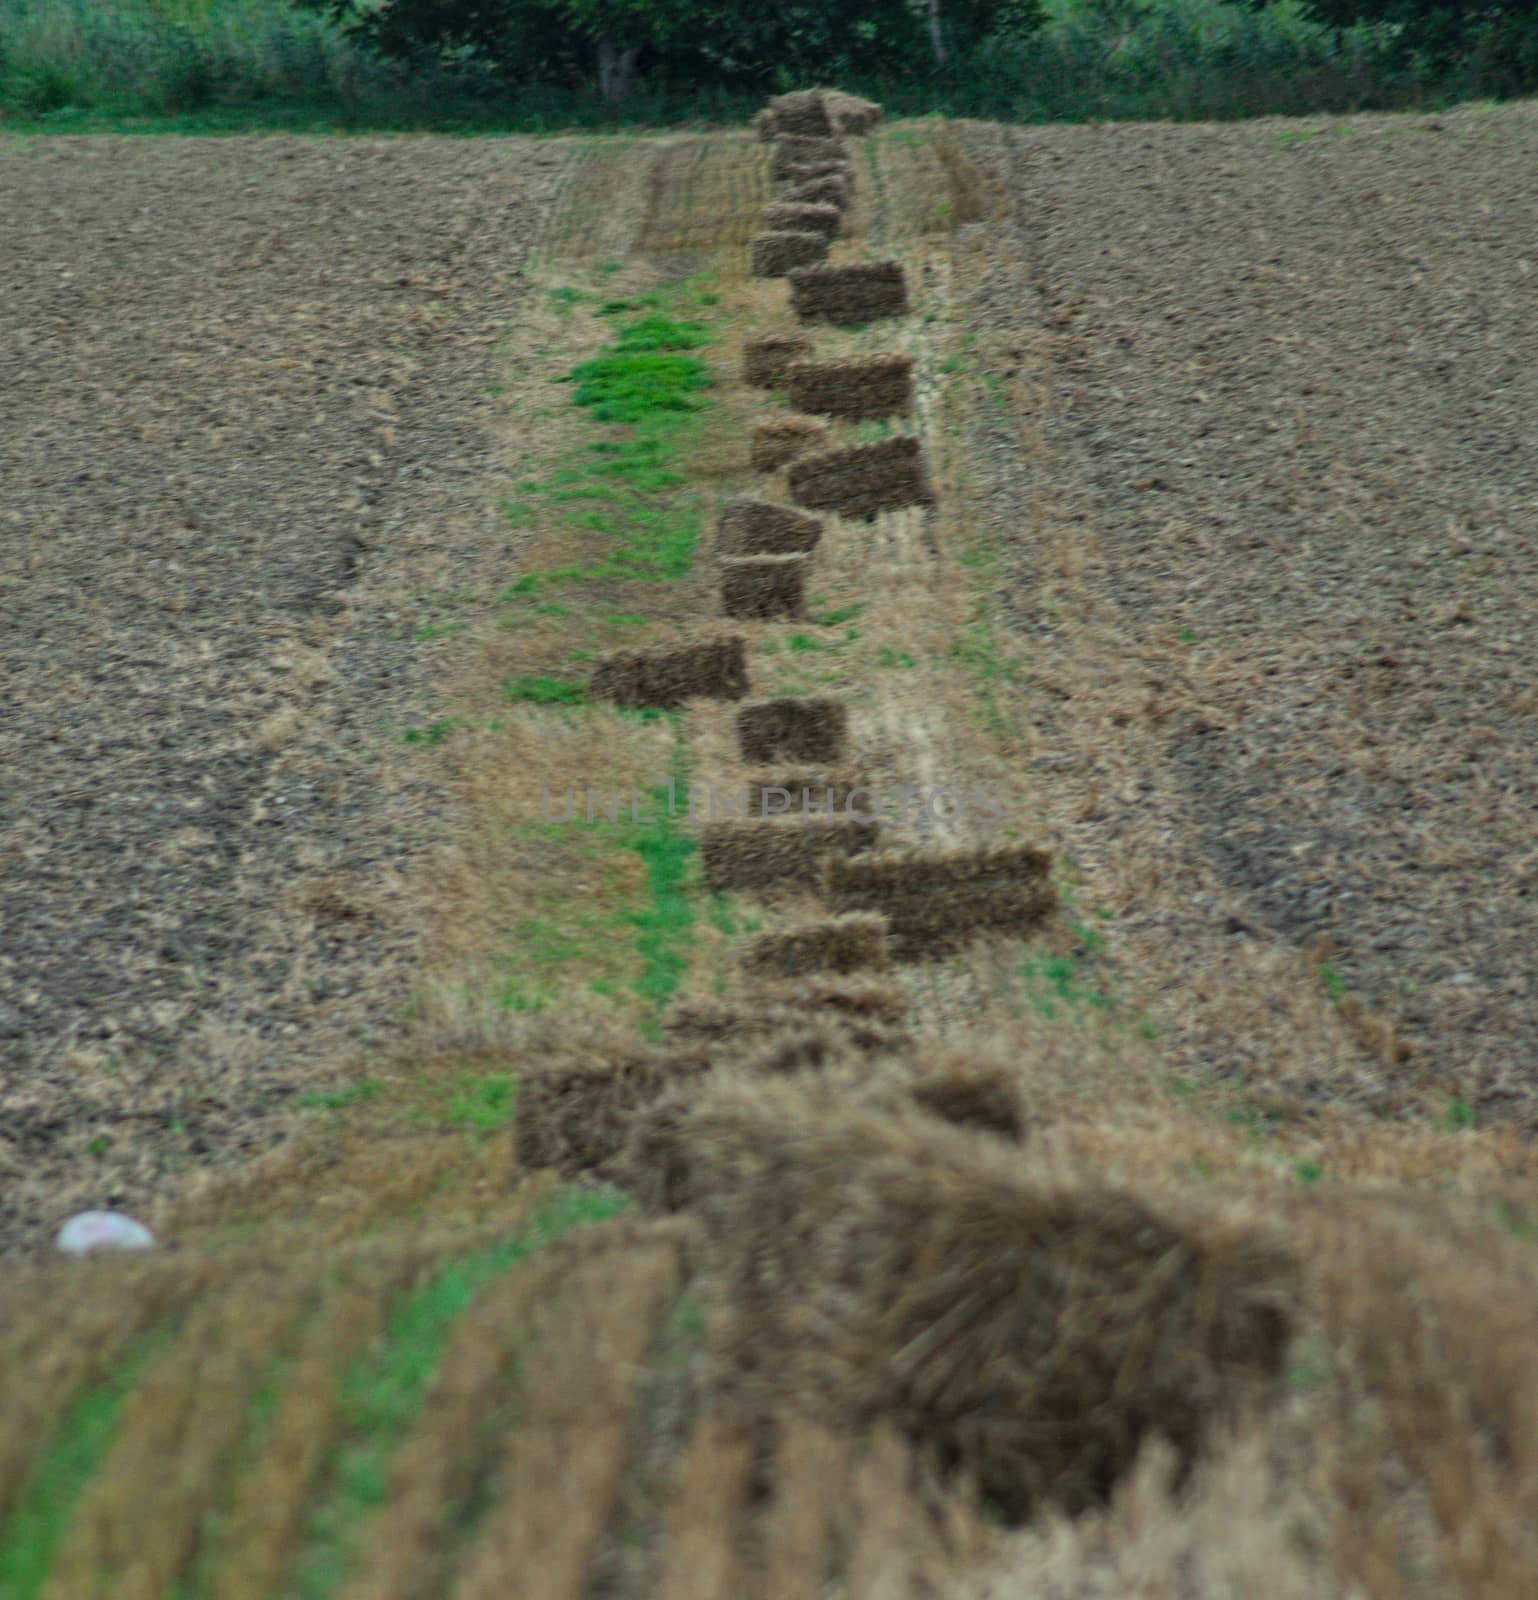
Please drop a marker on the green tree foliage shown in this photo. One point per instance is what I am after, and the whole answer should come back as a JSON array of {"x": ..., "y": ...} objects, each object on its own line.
[
  {"x": 1493, "y": 43},
  {"x": 759, "y": 44}
]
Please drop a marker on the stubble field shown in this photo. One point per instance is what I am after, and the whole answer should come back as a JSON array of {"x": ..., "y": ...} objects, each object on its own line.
[{"x": 1226, "y": 587}]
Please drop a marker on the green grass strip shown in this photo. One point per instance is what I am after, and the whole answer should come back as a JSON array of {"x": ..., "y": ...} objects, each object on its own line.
[
  {"x": 666, "y": 925},
  {"x": 82, "y": 1441},
  {"x": 382, "y": 1395}
]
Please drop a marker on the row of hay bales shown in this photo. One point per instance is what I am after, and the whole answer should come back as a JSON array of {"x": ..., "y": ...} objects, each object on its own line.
[{"x": 877, "y": 1245}]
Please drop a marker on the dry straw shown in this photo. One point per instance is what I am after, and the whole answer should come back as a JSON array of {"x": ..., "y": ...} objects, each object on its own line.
[
  {"x": 776, "y": 254},
  {"x": 713, "y": 668},
  {"x": 830, "y": 191},
  {"x": 869, "y": 1015},
  {"x": 816, "y": 114},
  {"x": 789, "y": 218},
  {"x": 574, "y": 1116},
  {"x": 869, "y": 386},
  {"x": 791, "y": 152},
  {"x": 761, "y": 528},
  {"x": 800, "y": 789},
  {"x": 854, "y": 943},
  {"x": 765, "y": 588},
  {"x": 864, "y": 479},
  {"x": 863, "y": 291},
  {"x": 932, "y": 902},
  {"x": 778, "y": 855},
  {"x": 767, "y": 358},
  {"x": 783, "y": 439},
  {"x": 879, "y": 1266},
  {"x": 810, "y": 171},
  {"x": 814, "y": 729}
]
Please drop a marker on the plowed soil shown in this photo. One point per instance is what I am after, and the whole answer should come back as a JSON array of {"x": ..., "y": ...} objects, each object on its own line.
[
  {"x": 1285, "y": 397},
  {"x": 240, "y": 420}
]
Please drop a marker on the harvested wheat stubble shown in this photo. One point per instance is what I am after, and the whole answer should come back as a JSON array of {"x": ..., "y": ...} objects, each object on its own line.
[
  {"x": 830, "y": 191},
  {"x": 853, "y": 943},
  {"x": 869, "y": 386},
  {"x": 863, "y": 480},
  {"x": 878, "y": 1266},
  {"x": 574, "y": 1116},
  {"x": 666, "y": 676},
  {"x": 761, "y": 528},
  {"x": 791, "y": 152},
  {"x": 862, "y": 291},
  {"x": 775, "y": 254},
  {"x": 802, "y": 791},
  {"x": 767, "y": 357},
  {"x": 786, "y": 217},
  {"x": 932, "y": 901},
  {"x": 768, "y": 588},
  {"x": 776, "y": 855},
  {"x": 813, "y": 729},
  {"x": 783, "y": 439}
]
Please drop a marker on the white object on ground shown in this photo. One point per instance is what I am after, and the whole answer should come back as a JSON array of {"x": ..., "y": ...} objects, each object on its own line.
[{"x": 103, "y": 1230}]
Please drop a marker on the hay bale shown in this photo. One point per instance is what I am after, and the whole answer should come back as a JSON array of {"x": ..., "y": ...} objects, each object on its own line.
[
  {"x": 789, "y": 218},
  {"x": 933, "y": 902},
  {"x": 778, "y": 855},
  {"x": 666, "y": 676},
  {"x": 864, "y": 479},
  {"x": 867, "y": 386},
  {"x": 767, "y": 358},
  {"x": 814, "y": 729},
  {"x": 783, "y": 439},
  {"x": 853, "y": 999},
  {"x": 776, "y": 254},
  {"x": 575, "y": 1116},
  {"x": 768, "y": 588},
  {"x": 761, "y": 528},
  {"x": 832, "y": 190},
  {"x": 862, "y": 291},
  {"x": 803, "y": 113},
  {"x": 851, "y": 115},
  {"x": 791, "y": 151},
  {"x": 803, "y": 790},
  {"x": 985, "y": 1096},
  {"x": 877, "y": 1266},
  {"x": 810, "y": 171},
  {"x": 834, "y": 944}
]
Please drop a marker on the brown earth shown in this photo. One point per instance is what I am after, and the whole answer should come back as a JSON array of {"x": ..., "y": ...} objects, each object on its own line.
[
  {"x": 241, "y": 422},
  {"x": 1285, "y": 376}
]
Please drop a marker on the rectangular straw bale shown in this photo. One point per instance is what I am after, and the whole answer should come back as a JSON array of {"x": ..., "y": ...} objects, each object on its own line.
[
  {"x": 803, "y": 113},
  {"x": 815, "y": 729},
  {"x": 787, "y": 217},
  {"x": 851, "y": 115},
  {"x": 1030, "y": 1334},
  {"x": 791, "y": 151},
  {"x": 775, "y": 254},
  {"x": 782, "y": 439},
  {"x": 761, "y": 528},
  {"x": 809, "y": 171},
  {"x": 665, "y": 676},
  {"x": 769, "y": 855},
  {"x": 934, "y": 901},
  {"x": 863, "y": 480},
  {"x": 832, "y": 190},
  {"x": 800, "y": 791},
  {"x": 768, "y": 588},
  {"x": 861, "y": 291},
  {"x": 766, "y": 358},
  {"x": 876, "y": 1000},
  {"x": 853, "y": 943},
  {"x": 574, "y": 1116},
  {"x": 855, "y": 389}
]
